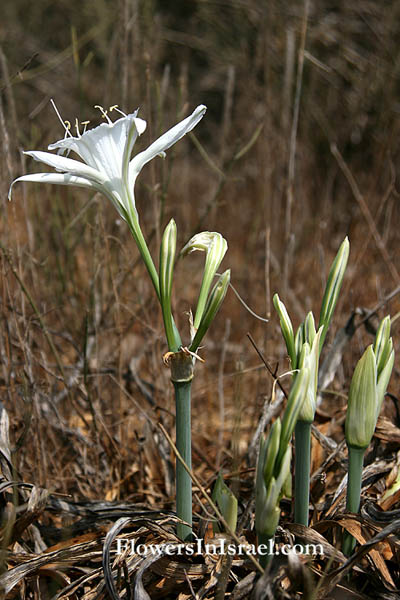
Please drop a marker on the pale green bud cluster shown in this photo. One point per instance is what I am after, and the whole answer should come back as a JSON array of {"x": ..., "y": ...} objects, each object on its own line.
[
  {"x": 209, "y": 303},
  {"x": 273, "y": 469},
  {"x": 368, "y": 387},
  {"x": 215, "y": 247},
  {"x": 309, "y": 357},
  {"x": 304, "y": 347}
]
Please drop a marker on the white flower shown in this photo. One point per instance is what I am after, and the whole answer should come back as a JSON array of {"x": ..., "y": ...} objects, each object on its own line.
[{"x": 106, "y": 154}]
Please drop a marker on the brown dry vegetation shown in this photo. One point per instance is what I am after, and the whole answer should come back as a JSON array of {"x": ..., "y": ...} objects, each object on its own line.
[{"x": 81, "y": 340}]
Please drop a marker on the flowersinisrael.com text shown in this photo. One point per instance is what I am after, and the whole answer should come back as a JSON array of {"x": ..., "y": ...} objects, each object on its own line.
[{"x": 218, "y": 548}]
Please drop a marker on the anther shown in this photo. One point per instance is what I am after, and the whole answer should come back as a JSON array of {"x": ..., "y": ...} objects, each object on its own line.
[
  {"x": 85, "y": 124},
  {"x": 78, "y": 133},
  {"x": 103, "y": 113},
  {"x": 115, "y": 107}
]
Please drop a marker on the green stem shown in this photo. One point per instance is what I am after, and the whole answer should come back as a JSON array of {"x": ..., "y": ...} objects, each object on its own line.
[
  {"x": 145, "y": 254},
  {"x": 302, "y": 472},
  {"x": 266, "y": 540},
  {"x": 354, "y": 481},
  {"x": 171, "y": 332},
  {"x": 148, "y": 261},
  {"x": 183, "y": 444}
]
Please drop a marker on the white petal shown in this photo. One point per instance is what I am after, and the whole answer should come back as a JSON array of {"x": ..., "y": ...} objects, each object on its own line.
[
  {"x": 140, "y": 125},
  {"x": 74, "y": 167},
  {"x": 103, "y": 147},
  {"x": 56, "y": 178},
  {"x": 166, "y": 141}
]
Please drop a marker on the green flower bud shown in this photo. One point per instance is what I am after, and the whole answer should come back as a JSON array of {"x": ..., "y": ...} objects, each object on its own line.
[
  {"x": 310, "y": 358},
  {"x": 383, "y": 381},
  {"x": 299, "y": 340},
  {"x": 332, "y": 290},
  {"x": 166, "y": 270},
  {"x": 368, "y": 388},
  {"x": 268, "y": 496},
  {"x": 287, "y": 330},
  {"x": 383, "y": 344},
  {"x": 213, "y": 305},
  {"x": 362, "y": 402},
  {"x": 215, "y": 247},
  {"x": 309, "y": 329}
]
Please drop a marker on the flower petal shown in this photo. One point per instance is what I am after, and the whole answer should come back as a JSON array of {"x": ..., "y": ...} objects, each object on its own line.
[
  {"x": 74, "y": 167},
  {"x": 103, "y": 147},
  {"x": 57, "y": 178},
  {"x": 167, "y": 140}
]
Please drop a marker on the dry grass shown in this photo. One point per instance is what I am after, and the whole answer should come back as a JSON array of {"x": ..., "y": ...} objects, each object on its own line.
[{"x": 81, "y": 340}]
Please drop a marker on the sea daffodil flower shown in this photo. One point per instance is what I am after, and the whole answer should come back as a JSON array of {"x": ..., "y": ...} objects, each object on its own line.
[
  {"x": 106, "y": 154},
  {"x": 107, "y": 166}
]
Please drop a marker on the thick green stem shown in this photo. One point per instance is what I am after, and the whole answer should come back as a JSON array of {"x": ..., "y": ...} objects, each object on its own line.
[
  {"x": 183, "y": 444},
  {"x": 268, "y": 550},
  {"x": 181, "y": 364},
  {"x": 354, "y": 481},
  {"x": 302, "y": 472}
]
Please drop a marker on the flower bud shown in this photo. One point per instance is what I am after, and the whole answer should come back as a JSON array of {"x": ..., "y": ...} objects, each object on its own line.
[
  {"x": 166, "y": 270},
  {"x": 310, "y": 358},
  {"x": 309, "y": 329},
  {"x": 382, "y": 345},
  {"x": 362, "y": 402},
  {"x": 213, "y": 305},
  {"x": 215, "y": 247},
  {"x": 332, "y": 290},
  {"x": 268, "y": 495},
  {"x": 287, "y": 330},
  {"x": 383, "y": 380},
  {"x": 368, "y": 388}
]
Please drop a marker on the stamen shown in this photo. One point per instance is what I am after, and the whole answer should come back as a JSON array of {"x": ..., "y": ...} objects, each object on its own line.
[
  {"x": 103, "y": 113},
  {"x": 77, "y": 128},
  {"x": 85, "y": 124},
  {"x": 66, "y": 151},
  {"x": 115, "y": 107},
  {"x": 65, "y": 124}
]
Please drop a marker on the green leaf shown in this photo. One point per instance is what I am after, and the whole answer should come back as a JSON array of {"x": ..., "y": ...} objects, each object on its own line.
[
  {"x": 226, "y": 501},
  {"x": 295, "y": 402},
  {"x": 272, "y": 447}
]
